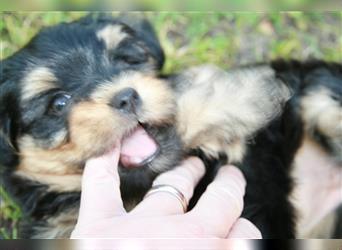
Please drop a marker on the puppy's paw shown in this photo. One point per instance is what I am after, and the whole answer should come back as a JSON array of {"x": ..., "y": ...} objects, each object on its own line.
[{"x": 219, "y": 110}]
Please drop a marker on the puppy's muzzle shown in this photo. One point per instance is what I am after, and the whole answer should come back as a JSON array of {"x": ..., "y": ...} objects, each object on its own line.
[{"x": 126, "y": 101}]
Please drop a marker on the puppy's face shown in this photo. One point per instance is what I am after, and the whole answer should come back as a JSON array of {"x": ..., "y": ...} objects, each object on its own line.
[{"x": 75, "y": 90}]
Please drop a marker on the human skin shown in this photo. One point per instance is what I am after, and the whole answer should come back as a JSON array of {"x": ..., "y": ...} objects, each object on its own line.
[
  {"x": 161, "y": 215},
  {"x": 317, "y": 192}
]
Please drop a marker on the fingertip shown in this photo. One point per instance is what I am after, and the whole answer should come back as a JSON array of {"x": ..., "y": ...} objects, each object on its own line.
[
  {"x": 101, "y": 165},
  {"x": 195, "y": 162},
  {"x": 254, "y": 231},
  {"x": 235, "y": 172},
  {"x": 193, "y": 167},
  {"x": 111, "y": 155}
]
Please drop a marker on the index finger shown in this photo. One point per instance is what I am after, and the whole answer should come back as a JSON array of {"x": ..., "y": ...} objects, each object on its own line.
[
  {"x": 184, "y": 178},
  {"x": 222, "y": 202}
]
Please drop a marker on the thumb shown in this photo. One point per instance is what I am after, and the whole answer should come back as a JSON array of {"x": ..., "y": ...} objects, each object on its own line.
[{"x": 101, "y": 197}]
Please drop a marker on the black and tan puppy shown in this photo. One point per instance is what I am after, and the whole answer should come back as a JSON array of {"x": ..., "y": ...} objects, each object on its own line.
[
  {"x": 77, "y": 88},
  {"x": 70, "y": 94},
  {"x": 259, "y": 116}
]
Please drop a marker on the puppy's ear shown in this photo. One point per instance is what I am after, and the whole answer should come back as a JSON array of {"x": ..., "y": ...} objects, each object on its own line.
[
  {"x": 8, "y": 113},
  {"x": 218, "y": 111},
  {"x": 144, "y": 31},
  {"x": 136, "y": 24}
]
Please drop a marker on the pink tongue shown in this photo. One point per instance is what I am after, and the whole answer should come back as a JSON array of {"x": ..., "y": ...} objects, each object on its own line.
[{"x": 137, "y": 147}]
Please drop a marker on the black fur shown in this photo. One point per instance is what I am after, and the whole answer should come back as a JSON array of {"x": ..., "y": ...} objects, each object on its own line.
[
  {"x": 270, "y": 153},
  {"x": 311, "y": 76},
  {"x": 269, "y": 157},
  {"x": 338, "y": 224}
]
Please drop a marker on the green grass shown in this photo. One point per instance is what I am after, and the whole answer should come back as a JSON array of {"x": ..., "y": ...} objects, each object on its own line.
[
  {"x": 226, "y": 39},
  {"x": 9, "y": 217}
]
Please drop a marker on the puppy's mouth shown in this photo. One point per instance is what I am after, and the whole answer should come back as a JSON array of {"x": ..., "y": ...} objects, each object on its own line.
[{"x": 138, "y": 148}]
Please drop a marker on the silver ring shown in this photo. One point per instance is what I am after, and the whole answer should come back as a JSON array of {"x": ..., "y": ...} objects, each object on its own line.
[{"x": 171, "y": 190}]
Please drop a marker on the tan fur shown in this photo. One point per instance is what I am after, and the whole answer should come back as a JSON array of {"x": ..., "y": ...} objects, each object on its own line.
[
  {"x": 42, "y": 161},
  {"x": 60, "y": 183},
  {"x": 59, "y": 226},
  {"x": 59, "y": 138},
  {"x": 111, "y": 35},
  {"x": 49, "y": 167},
  {"x": 158, "y": 105},
  {"x": 319, "y": 109},
  {"x": 218, "y": 110},
  {"x": 322, "y": 112},
  {"x": 37, "y": 81},
  {"x": 94, "y": 127}
]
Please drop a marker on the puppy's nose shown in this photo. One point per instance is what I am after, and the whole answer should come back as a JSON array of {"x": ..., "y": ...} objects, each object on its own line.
[{"x": 126, "y": 100}]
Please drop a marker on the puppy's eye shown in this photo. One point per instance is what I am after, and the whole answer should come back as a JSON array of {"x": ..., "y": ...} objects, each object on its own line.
[{"x": 59, "y": 102}]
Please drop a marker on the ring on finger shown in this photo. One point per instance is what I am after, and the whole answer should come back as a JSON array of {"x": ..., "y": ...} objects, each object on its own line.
[{"x": 171, "y": 190}]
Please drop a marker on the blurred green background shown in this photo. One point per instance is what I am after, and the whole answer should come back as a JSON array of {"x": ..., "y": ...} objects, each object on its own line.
[
  {"x": 190, "y": 38},
  {"x": 224, "y": 38},
  {"x": 195, "y": 5}
]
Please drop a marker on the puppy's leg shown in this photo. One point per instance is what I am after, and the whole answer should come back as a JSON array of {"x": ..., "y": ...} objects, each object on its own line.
[{"x": 219, "y": 111}]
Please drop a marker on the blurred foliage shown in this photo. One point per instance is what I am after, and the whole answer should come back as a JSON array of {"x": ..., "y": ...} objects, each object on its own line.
[
  {"x": 193, "y": 5},
  {"x": 224, "y": 38},
  {"x": 238, "y": 38},
  {"x": 9, "y": 216}
]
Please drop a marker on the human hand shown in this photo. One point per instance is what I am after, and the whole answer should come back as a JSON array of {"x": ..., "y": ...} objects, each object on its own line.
[{"x": 161, "y": 214}]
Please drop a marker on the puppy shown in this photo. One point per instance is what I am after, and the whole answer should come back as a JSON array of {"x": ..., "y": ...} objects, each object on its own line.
[
  {"x": 77, "y": 88},
  {"x": 259, "y": 116},
  {"x": 69, "y": 95}
]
